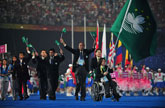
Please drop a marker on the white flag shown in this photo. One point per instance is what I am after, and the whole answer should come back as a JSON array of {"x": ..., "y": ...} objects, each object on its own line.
[{"x": 103, "y": 49}]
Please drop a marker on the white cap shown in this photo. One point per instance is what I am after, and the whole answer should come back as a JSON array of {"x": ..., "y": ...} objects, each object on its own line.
[
  {"x": 70, "y": 65},
  {"x": 147, "y": 68},
  {"x": 159, "y": 69}
]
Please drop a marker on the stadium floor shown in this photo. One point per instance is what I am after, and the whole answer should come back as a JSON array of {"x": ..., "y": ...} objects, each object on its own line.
[{"x": 68, "y": 102}]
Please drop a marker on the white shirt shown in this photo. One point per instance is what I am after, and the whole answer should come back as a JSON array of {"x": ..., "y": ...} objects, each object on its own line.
[
  {"x": 70, "y": 75},
  {"x": 159, "y": 77}
]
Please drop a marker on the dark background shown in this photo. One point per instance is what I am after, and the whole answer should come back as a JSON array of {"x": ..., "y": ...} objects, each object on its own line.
[{"x": 45, "y": 40}]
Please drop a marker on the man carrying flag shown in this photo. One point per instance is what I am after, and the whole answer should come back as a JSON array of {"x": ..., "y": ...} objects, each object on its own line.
[{"x": 136, "y": 28}]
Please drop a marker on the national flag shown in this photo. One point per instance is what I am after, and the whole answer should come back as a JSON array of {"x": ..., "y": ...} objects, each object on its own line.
[
  {"x": 127, "y": 58},
  {"x": 136, "y": 28},
  {"x": 97, "y": 37},
  {"x": 111, "y": 52},
  {"x": 103, "y": 48},
  {"x": 119, "y": 53}
]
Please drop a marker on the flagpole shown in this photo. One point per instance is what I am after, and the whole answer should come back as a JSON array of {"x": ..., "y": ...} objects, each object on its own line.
[
  {"x": 85, "y": 42},
  {"x": 72, "y": 34},
  {"x": 123, "y": 22}
]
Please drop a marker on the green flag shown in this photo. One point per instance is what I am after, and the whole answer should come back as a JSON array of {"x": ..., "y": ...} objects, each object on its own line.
[
  {"x": 93, "y": 34},
  {"x": 58, "y": 43},
  {"x": 64, "y": 30},
  {"x": 24, "y": 39},
  {"x": 136, "y": 29},
  {"x": 30, "y": 46}
]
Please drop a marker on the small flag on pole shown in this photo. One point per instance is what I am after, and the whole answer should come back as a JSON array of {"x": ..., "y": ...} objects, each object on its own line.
[
  {"x": 58, "y": 44},
  {"x": 63, "y": 31}
]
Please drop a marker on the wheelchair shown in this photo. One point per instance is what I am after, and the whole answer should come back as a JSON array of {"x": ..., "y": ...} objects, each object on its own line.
[{"x": 98, "y": 91}]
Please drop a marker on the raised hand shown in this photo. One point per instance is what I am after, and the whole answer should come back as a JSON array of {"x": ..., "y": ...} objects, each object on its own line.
[
  {"x": 105, "y": 73},
  {"x": 62, "y": 41},
  {"x": 27, "y": 49},
  {"x": 55, "y": 54},
  {"x": 36, "y": 53},
  {"x": 61, "y": 51}
]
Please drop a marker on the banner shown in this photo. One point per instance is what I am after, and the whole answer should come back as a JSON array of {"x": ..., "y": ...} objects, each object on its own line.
[{"x": 3, "y": 49}]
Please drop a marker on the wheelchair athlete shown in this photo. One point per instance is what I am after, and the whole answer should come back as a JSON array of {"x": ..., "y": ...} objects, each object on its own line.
[{"x": 103, "y": 75}]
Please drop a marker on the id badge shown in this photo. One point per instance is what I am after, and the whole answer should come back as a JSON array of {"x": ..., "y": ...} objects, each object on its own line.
[{"x": 81, "y": 62}]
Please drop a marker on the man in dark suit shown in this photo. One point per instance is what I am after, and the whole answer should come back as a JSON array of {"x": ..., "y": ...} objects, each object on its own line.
[
  {"x": 54, "y": 61},
  {"x": 41, "y": 72},
  {"x": 23, "y": 74},
  {"x": 94, "y": 61},
  {"x": 80, "y": 67}
]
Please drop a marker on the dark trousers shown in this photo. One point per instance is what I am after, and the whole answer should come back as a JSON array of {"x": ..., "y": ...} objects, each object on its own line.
[
  {"x": 111, "y": 84},
  {"x": 52, "y": 86},
  {"x": 15, "y": 89},
  {"x": 22, "y": 82},
  {"x": 43, "y": 85},
  {"x": 81, "y": 75},
  {"x": 107, "y": 88}
]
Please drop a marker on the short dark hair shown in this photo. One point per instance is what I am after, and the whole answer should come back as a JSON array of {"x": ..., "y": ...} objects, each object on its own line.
[
  {"x": 82, "y": 43},
  {"x": 101, "y": 59},
  {"x": 52, "y": 49},
  {"x": 22, "y": 53},
  {"x": 14, "y": 56},
  {"x": 98, "y": 49},
  {"x": 4, "y": 59},
  {"x": 44, "y": 50}
]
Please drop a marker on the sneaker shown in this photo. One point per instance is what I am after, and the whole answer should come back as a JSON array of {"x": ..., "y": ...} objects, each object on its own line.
[
  {"x": 143, "y": 94},
  {"x": 164, "y": 93},
  {"x": 61, "y": 92},
  {"x": 120, "y": 94},
  {"x": 69, "y": 94},
  {"x": 150, "y": 93},
  {"x": 127, "y": 94},
  {"x": 157, "y": 93}
]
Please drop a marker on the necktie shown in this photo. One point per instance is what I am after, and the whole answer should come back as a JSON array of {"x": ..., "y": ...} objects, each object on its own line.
[
  {"x": 81, "y": 55},
  {"x": 51, "y": 60}
]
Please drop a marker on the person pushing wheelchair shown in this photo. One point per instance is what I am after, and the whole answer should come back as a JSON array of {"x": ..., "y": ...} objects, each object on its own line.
[{"x": 103, "y": 75}]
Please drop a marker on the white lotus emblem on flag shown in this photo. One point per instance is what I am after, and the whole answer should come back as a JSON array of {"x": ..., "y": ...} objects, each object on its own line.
[{"x": 133, "y": 24}]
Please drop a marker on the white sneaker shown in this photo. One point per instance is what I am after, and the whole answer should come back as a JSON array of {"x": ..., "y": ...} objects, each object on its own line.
[
  {"x": 69, "y": 94},
  {"x": 146, "y": 94},
  {"x": 164, "y": 93},
  {"x": 135, "y": 94},
  {"x": 151, "y": 93},
  {"x": 61, "y": 92},
  {"x": 157, "y": 93},
  {"x": 10, "y": 95},
  {"x": 127, "y": 94},
  {"x": 120, "y": 94}
]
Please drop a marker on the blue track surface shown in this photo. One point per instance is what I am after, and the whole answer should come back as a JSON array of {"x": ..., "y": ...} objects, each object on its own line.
[{"x": 69, "y": 102}]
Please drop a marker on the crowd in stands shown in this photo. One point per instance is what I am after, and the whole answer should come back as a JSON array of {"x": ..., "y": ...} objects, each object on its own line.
[{"x": 60, "y": 12}]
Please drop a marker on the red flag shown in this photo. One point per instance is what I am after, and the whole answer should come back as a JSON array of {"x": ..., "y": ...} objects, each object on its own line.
[{"x": 97, "y": 38}]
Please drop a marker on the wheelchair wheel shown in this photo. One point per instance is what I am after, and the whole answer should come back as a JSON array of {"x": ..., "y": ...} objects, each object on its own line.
[{"x": 95, "y": 92}]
